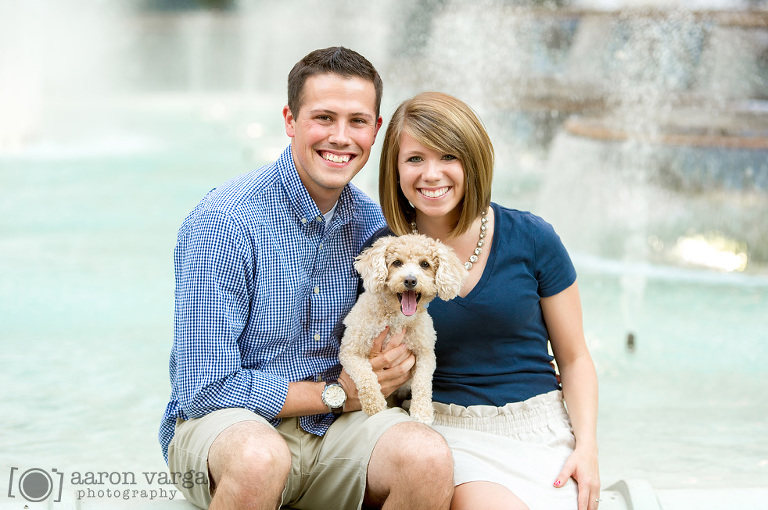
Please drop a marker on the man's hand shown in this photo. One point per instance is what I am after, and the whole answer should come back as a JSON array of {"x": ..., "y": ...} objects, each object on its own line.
[{"x": 391, "y": 361}]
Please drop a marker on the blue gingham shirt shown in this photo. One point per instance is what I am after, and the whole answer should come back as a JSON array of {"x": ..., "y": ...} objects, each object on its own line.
[{"x": 262, "y": 284}]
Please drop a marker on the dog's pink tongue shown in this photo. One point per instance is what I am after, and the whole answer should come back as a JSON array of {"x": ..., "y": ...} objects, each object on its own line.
[{"x": 408, "y": 303}]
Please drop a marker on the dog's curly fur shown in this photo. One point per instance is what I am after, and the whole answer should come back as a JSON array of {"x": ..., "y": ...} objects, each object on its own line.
[{"x": 401, "y": 275}]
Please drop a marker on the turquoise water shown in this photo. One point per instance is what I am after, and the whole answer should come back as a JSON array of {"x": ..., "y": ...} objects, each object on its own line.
[
  {"x": 110, "y": 140},
  {"x": 86, "y": 298},
  {"x": 86, "y": 305}
]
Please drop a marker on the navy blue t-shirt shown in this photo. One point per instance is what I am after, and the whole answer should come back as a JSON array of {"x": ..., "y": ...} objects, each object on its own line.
[{"x": 492, "y": 344}]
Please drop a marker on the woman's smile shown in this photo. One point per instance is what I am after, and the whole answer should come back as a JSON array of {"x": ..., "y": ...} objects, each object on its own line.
[
  {"x": 435, "y": 192},
  {"x": 431, "y": 180}
]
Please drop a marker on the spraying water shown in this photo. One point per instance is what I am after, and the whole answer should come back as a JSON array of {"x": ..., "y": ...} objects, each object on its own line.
[{"x": 637, "y": 128}]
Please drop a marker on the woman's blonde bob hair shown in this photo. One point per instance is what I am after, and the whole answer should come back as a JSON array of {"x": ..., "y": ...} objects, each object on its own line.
[{"x": 446, "y": 125}]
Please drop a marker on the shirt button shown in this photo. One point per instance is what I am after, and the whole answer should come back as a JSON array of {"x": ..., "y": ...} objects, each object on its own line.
[
  {"x": 304, "y": 221},
  {"x": 317, "y": 290},
  {"x": 321, "y": 246},
  {"x": 317, "y": 337},
  {"x": 319, "y": 218}
]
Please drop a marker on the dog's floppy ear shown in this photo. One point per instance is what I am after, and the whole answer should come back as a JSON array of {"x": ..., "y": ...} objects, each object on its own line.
[
  {"x": 372, "y": 264},
  {"x": 450, "y": 273}
]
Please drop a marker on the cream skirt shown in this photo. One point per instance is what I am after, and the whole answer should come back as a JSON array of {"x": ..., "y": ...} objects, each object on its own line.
[{"x": 522, "y": 446}]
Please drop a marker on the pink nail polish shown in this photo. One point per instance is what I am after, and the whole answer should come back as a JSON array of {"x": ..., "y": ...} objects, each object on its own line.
[{"x": 558, "y": 483}]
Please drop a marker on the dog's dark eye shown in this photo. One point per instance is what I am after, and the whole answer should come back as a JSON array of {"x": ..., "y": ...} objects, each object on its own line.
[
  {"x": 397, "y": 263},
  {"x": 424, "y": 264}
]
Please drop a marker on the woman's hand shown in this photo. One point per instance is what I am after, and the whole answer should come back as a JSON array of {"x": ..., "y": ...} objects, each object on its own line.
[
  {"x": 582, "y": 466},
  {"x": 391, "y": 361}
]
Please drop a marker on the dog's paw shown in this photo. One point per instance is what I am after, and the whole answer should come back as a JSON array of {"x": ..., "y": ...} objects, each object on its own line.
[
  {"x": 423, "y": 413},
  {"x": 374, "y": 405}
]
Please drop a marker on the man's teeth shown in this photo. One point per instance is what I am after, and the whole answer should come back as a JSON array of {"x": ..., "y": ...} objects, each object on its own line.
[
  {"x": 335, "y": 158},
  {"x": 434, "y": 193}
]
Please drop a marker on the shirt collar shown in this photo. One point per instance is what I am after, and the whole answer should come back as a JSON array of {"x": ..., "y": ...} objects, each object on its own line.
[{"x": 302, "y": 204}]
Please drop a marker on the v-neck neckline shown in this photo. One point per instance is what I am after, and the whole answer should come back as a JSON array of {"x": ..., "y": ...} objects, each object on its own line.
[{"x": 488, "y": 269}]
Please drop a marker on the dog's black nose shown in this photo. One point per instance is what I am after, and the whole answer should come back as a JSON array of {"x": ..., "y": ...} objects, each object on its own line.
[{"x": 410, "y": 282}]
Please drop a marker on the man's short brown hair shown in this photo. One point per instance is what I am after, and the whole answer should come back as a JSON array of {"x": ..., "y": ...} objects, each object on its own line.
[{"x": 334, "y": 60}]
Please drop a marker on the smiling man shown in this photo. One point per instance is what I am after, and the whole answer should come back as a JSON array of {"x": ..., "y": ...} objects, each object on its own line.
[
  {"x": 332, "y": 133},
  {"x": 264, "y": 277}
]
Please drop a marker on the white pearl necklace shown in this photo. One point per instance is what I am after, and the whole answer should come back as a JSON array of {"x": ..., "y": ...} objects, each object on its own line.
[{"x": 480, "y": 241}]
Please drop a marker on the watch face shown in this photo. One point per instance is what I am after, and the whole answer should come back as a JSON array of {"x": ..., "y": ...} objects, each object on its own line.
[{"x": 334, "y": 395}]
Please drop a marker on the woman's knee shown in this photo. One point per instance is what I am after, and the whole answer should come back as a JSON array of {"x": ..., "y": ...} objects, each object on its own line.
[{"x": 486, "y": 495}]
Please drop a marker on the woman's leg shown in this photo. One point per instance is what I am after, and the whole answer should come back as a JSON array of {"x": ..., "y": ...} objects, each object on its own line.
[{"x": 485, "y": 496}]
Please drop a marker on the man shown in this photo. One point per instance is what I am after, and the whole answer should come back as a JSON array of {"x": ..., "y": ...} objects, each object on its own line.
[{"x": 264, "y": 277}]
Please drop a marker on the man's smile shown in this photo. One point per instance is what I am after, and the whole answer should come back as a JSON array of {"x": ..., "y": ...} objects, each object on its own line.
[{"x": 335, "y": 158}]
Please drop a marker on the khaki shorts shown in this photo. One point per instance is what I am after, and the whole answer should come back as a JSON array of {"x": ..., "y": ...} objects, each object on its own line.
[{"x": 326, "y": 472}]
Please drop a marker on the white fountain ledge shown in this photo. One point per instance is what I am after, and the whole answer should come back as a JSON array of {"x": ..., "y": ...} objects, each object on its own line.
[{"x": 622, "y": 495}]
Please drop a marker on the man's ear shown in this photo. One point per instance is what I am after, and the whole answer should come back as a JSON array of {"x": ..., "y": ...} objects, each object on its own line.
[
  {"x": 379, "y": 122},
  {"x": 290, "y": 129}
]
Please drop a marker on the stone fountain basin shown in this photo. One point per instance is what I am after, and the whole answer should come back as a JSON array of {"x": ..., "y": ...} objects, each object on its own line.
[{"x": 695, "y": 147}]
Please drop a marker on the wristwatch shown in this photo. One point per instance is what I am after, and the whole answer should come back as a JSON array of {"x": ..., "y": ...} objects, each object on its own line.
[{"x": 334, "y": 397}]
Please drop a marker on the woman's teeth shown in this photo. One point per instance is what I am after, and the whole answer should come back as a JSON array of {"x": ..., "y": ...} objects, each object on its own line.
[{"x": 434, "y": 193}]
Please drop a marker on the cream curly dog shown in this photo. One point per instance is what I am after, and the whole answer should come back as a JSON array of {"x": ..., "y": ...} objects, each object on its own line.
[{"x": 400, "y": 275}]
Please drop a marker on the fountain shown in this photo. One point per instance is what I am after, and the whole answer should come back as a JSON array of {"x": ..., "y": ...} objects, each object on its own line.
[
  {"x": 54, "y": 58},
  {"x": 20, "y": 80},
  {"x": 683, "y": 137},
  {"x": 637, "y": 128},
  {"x": 668, "y": 106}
]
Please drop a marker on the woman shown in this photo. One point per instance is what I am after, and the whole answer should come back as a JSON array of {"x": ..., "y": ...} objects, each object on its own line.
[{"x": 497, "y": 398}]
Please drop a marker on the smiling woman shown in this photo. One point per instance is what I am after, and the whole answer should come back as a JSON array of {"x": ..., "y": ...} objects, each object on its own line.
[
  {"x": 431, "y": 180},
  {"x": 493, "y": 382}
]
